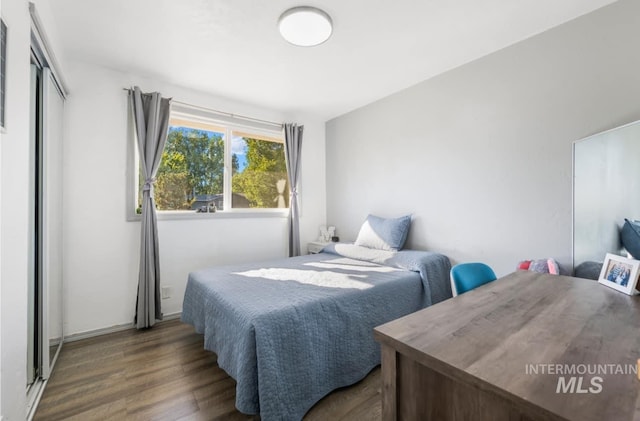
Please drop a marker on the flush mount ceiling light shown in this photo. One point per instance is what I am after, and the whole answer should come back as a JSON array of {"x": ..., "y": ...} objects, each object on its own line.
[{"x": 305, "y": 26}]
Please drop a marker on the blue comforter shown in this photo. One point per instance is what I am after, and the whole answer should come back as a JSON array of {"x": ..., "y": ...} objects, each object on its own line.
[{"x": 291, "y": 331}]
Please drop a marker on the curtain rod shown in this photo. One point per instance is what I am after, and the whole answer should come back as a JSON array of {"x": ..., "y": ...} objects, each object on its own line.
[{"x": 242, "y": 117}]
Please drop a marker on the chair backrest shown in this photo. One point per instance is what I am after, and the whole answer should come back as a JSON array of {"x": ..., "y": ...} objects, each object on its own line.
[{"x": 467, "y": 276}]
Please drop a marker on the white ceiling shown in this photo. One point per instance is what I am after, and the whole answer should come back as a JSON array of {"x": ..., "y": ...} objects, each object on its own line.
[{"x": 232, "y": 48}]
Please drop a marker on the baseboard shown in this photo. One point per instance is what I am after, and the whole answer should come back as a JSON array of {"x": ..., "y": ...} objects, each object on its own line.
[{"x": 113, "y": 329}]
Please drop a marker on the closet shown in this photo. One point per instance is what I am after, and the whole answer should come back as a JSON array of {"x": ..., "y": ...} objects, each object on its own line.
[{"x": 45, "y": 301}]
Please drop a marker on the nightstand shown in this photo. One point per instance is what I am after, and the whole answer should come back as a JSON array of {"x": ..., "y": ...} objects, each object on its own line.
[{"x": 315, "y": 247}]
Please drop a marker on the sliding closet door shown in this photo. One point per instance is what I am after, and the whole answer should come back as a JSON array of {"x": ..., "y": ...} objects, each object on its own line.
[
  {"x": 34, "y": 332},
  {"x": 52, "y": 220}
]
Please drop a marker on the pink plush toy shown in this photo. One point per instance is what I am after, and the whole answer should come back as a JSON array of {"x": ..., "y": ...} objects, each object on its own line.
[{"x": 541, "y": 265}]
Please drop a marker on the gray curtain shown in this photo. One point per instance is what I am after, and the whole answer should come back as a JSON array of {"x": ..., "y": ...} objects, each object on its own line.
[
  {"x": 151, "y": 119},
  {"x": 292, "y": 152}
]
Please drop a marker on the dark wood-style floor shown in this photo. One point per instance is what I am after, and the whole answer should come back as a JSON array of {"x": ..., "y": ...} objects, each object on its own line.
[{"x": 164, "y": 373}]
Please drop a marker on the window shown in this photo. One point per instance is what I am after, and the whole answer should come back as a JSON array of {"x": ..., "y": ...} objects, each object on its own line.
[
  {"x": 259, "y": 172},
  {"x": 216, "y": 165}
]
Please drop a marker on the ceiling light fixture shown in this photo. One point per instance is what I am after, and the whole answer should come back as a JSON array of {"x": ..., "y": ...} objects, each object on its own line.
[{"x": 305, "y": 26}]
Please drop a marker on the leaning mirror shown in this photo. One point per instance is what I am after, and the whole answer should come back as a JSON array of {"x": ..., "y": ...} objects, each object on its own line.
[{"x": 606, "y": 190}]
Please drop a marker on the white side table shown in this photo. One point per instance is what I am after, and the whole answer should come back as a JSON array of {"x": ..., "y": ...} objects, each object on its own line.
[{"x": 315, "y": 247}]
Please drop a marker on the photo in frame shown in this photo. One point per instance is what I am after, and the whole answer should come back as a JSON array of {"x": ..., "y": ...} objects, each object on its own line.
[{"x": 620, "y": 273}]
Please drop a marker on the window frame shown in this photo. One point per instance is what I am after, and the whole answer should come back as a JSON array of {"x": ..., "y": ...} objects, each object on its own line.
[{"x": 229, "y": 123}]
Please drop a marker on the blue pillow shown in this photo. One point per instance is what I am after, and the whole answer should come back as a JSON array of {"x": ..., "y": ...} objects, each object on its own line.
[
  {"x": 630, "y": 237},
  {"x": 384, "y": 233}
]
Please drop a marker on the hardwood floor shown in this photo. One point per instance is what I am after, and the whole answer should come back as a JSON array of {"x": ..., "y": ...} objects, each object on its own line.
[{"x": 164, "y": 373}]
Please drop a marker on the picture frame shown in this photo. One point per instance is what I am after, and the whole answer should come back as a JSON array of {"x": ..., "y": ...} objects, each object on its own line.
[{"x": 620, "y": 273}]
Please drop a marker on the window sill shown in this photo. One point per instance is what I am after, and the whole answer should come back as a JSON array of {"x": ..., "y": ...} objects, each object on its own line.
[{"x": 181, "y": 215}]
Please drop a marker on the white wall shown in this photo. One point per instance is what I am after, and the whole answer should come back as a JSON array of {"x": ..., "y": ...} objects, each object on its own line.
[
  {"x": 1, "y": 178},
  {"x": 101, "y": 249},
  {"x": 481, "y": 155},
  {"x": 14, "y": 225}
]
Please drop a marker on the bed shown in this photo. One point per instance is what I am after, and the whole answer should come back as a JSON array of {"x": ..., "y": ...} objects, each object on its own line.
[{"x": 290, "y": 331}]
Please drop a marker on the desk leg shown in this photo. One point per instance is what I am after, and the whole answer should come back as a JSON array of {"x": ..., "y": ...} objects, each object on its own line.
[{"x": 389, "y": 391}]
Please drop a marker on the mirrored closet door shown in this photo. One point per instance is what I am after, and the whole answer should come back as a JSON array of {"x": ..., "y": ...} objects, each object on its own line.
[{"x": 52, "y": 216}]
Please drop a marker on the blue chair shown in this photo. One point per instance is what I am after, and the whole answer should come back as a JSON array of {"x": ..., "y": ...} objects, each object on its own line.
[{"x": 467, "y": 276}]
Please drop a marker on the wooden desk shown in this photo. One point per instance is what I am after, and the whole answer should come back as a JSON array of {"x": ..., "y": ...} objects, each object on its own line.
[{"x": 473, "y": 357}]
